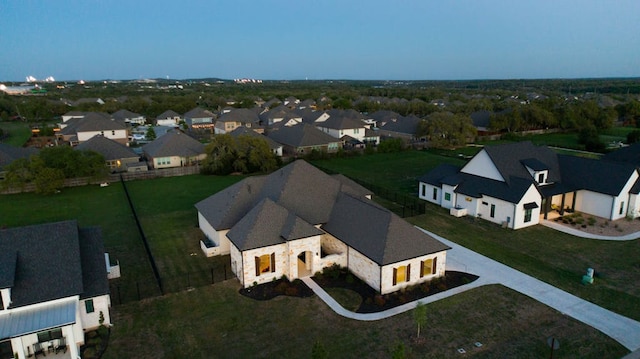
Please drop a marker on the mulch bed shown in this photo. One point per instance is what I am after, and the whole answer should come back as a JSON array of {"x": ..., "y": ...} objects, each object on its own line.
[
  {"x": 272, "y": 289},
  {"x": 372, "y": 301}
]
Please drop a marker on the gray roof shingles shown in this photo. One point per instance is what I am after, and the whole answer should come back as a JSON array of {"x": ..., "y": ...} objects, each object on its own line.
[
  {"x": 174, "y": 143},
  {"x": 52, "y": 260},
  {"x": 109, "y": 149},
  {"x": 302, "y": 135}
]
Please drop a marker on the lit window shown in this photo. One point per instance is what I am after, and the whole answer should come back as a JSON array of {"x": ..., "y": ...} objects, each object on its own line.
[
  {"x": 401, "y": 274},
  {"x": 428, "y": 267},
  {"x": 265, "y": 264}
]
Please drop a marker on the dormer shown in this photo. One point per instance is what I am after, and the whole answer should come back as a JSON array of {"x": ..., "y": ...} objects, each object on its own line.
[
  {"x": 538, "y": 170},
  {"x": 8, "y": 263}
]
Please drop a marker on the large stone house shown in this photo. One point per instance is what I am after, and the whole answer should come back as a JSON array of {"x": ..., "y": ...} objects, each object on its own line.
[
  {"x": 298, "y": 220},
  {"x": 517, "y": 183},
  {"x": 53, "y": 288}
]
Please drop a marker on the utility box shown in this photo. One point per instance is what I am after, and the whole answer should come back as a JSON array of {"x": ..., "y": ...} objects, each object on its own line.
[{"x": 588, "y": 278}]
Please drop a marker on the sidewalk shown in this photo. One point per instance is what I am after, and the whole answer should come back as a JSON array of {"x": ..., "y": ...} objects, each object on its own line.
[{"x": 624, "y": 330}]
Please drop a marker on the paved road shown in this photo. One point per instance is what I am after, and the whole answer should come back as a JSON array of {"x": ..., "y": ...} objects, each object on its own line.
[{"x": 624, "y": 330}]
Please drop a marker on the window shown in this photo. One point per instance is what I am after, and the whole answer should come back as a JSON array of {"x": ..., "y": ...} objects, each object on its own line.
[
  {"x": 355, "y": 131},
  {"x": 428, "y": 267},
  {"x": 49, "y": 335},
  {"x": 401, "y": 274},
  {"x": 265, "y": 264},
  {"x": 423, "y": 190},
  {"x": 113, "y": 133},
  {"x": 88, "y": 305},
  {"x": 541, "y": 178},
  {"x": 163, "y": 160},
  {"x": 485, "y": 203},
  {"x": 435, "y": 194},
  {"x": 447, "y": 196},
  {"x": 493, "y": 211},
  {"x": 527, "y": 215},
  {"x": 621, "y": 208}
]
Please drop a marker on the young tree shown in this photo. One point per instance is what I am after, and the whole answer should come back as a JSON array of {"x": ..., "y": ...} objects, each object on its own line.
[
  {"x": 420, "y": 316},
  {"x": 151, "y": 133}
]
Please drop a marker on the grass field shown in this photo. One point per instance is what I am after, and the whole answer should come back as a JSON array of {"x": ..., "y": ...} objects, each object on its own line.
[
  {"x": 19, "y": 133},
  {"x": 554, "y": 257},
  {"x": 217, "y": 322}
]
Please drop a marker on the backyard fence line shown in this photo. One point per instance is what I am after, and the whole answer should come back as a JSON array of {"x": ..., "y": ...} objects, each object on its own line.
[
  {"x": 126, "y": 291},
  {"x": 156, "y": 273}
]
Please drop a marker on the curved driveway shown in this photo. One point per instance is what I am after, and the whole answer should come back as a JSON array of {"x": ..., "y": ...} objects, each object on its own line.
[{"x": 624, "y": 330}]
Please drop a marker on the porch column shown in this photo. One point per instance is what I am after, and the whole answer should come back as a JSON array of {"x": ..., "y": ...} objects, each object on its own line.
[
  {"x": 545, "y": 208},
  {"x": 573, "y": 202},
  {"x": 18, "y": 347},
  {"x": 562, "y": 205}
]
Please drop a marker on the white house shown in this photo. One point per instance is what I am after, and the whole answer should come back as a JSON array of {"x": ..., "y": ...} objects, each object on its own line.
[
  {"x": 299, "y": 220},
  {"x": 514, "y": 184},
  {"x": 53, "y": 287},
  {"x": 168, "y": 118},
  {"x": 81, "y": 127}
]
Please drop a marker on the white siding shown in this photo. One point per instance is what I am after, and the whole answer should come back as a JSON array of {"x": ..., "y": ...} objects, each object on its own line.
[
  {"x": 634, "y": 206},
  {"x": 92, "y": 320},
  {"x": 425, "y": 191},
  {"x": 532, "y": 195},
  {"x": 594, "y": 203},
  {"x": 481, "y": 165},
  {"x": 218, "y": 237},
  {"x": 113, "y": 135},
  {"x": 452, "y": 196}
]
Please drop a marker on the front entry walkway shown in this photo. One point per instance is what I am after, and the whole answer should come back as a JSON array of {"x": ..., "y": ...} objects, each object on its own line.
[{"x": 622, "y": 329}]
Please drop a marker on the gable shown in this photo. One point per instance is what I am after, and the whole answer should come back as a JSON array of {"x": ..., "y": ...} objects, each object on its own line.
[{"x": 481, "y": 165}]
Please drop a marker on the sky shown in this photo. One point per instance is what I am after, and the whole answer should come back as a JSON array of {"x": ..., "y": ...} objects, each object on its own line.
[{"x": 318, "y": 40}]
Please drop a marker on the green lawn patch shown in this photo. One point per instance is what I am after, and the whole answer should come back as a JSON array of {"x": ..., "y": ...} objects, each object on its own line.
[
  {"x": 216, "y": 321},
  {"x": 19, "y": 133}
]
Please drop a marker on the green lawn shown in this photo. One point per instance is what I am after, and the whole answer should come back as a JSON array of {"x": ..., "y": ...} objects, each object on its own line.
[
  {"x": 551, "y": 256},
  {"x": 217, "y": 322},
  {"x": 19, "y": 133}
]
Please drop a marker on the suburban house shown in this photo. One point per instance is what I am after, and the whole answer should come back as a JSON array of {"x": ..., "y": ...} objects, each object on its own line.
[
  {"x": 128, "y": 117},
  {"x": 280, "y": 114},
  {"x": 235, "y": 118},
  {"x": 199, "y": 119},
  {"x": 275, "y": 147},
  {"x": 517, "y": 183},
  {"x": 80, "y": 129},
  {"x": 168, "y": 118},
  {"x": 118, "y": 157},
  {"x": 400, "y": 127},
  {"x": 303, "y": 138},
  {"x": 338, "y": 125},
  {"x": 298, "y": 220},
  {"x": 9, "y": 154},
  {"x": 173, "y": 149},
  {"x": 53, "y": 286}
]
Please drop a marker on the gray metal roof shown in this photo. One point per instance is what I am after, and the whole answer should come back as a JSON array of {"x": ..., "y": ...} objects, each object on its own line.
[
  {"x": 109, "y": 149},
  {"x": 174, "y": 143},
  {"x": 21, "y": 322}
]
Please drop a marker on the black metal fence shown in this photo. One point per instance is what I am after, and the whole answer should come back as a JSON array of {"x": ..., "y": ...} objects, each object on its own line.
[{"x": 126, "y": 291}]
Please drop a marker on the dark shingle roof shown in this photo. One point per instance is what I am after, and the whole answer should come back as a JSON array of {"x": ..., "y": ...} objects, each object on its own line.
[
  {"x": 267, "y": 224},
  {"x": 51, "y": 260},
  {"x": 109, "y": 149},
  {"x": 508, "y": 159},
  {"x": 284, "y": 205},
  {"x": 407, "y": 125},
  {"x": 341, "y": 123},
  {"x": 9, "y": 153},
  {"x": 198, "y": 112},
  {"x": 244, "y": 131},
  {"x": 122, "y": 115},
  {"x": 92, "y": 121},
  {"x": 629, "y": 154},
  {"x": 168, "y": 114},
  {"x": 241, "y": 115},
  {"x": 302, "y": 135},
  {"x": 378, "y": 233},
  {"x": 174, "y": 143},
  {"x": 595, "y": 175}
]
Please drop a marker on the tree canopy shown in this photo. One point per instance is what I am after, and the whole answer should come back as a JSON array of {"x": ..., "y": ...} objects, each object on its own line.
[{"x": 246, "y": 154}]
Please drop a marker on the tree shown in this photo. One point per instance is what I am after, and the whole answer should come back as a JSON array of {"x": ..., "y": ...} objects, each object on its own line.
[
  {"x": 151, "y": 134},
  {"x": 221, "y": 153},
  {"x": 391, "y": 145},
  {"x": 445, "y": 129},
  {"x": 246, "y": 154},
  {"x": 420, "y": 316}
]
